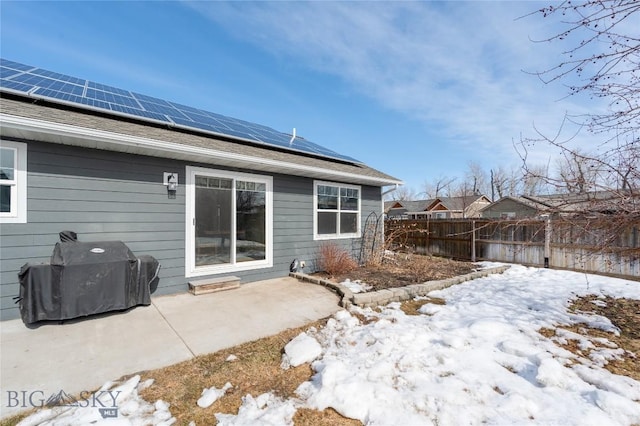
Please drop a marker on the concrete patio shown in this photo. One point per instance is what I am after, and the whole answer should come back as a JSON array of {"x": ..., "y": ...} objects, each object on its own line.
[{"x": 81, "y": 355}]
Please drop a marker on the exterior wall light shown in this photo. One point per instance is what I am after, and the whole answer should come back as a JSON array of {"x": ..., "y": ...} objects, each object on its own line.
[{"x": 170, "y": 180}]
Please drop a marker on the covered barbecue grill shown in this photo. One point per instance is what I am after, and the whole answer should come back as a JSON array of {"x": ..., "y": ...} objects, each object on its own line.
[{"x": 86, "y": 278}]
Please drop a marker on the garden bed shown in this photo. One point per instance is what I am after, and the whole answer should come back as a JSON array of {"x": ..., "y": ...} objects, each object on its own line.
[
  {"x": 399, "y": 278},
  {"x": 402, "y": 269}
]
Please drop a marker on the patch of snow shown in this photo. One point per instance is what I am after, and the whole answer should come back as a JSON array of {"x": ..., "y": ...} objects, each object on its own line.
[
  {"x": 212, "y": 394},
  {"x": 129, "y": 408},
  {"x": 231, "y": 358},
  {"x": 265, "y": 410},
  {"x": 301, "y": 349},
  {"x": 429, "y": 309},
  {"x": 488, "y": 265},
  {"x": 356, "y": 286}
]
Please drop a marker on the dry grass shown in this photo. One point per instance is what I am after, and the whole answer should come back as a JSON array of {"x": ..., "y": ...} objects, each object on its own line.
[
  {"x": 257, "y": 370},
  {"x": 328, "y": 417},
  {"x": 624, "y": 314},
  {"x": 14, "y": 420},
  {"x": 411, "y": 307}
]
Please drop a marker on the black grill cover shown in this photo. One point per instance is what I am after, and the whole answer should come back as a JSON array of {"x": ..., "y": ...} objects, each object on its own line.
[{"x": 85, "y": 278}]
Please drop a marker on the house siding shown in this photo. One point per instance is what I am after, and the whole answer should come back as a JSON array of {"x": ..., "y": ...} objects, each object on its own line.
[
  {"x": 508, "y": 205},
  {"x": 105, "y": 195}
]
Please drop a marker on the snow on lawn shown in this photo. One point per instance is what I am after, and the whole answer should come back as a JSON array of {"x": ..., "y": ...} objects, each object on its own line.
[
  {"x": 112, "y": 404},
  {"x": 212, "y": 394},
  {"x": 478, "y": 359}
]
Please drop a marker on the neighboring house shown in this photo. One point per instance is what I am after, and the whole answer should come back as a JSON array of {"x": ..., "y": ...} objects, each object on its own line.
[
  {"x": 514, "y": 208},
  {"x": 392, "y": 209},
  {"x": 206, "y": 195},
  {"x": 590, "y": 203},
  {"x": 407, "y": 209},
  {"x": 458, "y": 207},
  {"x": 437, "y": 208}
]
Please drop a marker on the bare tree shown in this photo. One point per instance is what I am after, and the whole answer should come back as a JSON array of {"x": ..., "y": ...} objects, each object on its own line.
[
  {"x": 603, "y": 62},
  {"x": 516, "y": 181},
  {"x": 403, "y": 193},
  {"x": 477, "y": 179},
  {"x": 499, "y": 179},
  {"x": 577, "y": 173},
  {"x": 439, "y": 187},
  {"x": 534, "y": 181}
]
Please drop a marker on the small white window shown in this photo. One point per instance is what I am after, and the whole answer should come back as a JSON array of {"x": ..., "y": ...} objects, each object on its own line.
[
  {"x": 336, "y": 211},
  {"x": 13, "y": 182}
]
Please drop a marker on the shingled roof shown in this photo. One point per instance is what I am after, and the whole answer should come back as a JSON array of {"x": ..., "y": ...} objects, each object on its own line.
[{"x": 23, "y": 118}]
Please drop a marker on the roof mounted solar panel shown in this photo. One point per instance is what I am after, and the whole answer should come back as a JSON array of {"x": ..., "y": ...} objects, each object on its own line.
[{"x": 39, "y": 83}]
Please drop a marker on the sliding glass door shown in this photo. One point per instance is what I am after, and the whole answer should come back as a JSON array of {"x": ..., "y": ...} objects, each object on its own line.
[{"x": 229, "y": 221}]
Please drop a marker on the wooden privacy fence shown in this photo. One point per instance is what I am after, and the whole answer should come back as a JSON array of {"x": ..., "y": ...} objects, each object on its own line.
[{"x": 591, "y": 246}]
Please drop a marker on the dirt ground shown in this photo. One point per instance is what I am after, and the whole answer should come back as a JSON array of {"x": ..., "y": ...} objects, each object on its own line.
[
  {"x": 403, "y": 269},
  {"x": 625, "y": 315}
]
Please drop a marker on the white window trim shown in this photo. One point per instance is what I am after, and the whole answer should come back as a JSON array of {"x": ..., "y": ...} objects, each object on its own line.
[
  {"x": 18, "y": 213},
  {"x": 338, "y": 235},
  {"x": 191, "y": 270}
]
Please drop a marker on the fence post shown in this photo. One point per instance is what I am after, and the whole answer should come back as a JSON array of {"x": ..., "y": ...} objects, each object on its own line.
[
  {"x": 473, "y": 240},
  {"x": 547, "y": 241}
]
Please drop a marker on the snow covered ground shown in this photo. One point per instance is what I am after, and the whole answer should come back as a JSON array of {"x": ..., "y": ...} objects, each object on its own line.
[
  {"x": 478, "y": 359},
  {"x": 356, "y": 286}
]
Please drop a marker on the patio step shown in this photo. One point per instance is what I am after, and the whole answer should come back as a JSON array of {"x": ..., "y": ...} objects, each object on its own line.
[{"x": 211, "y": 285}]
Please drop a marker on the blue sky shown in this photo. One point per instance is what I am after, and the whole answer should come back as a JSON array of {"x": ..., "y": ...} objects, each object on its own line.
[{"x": 415, "y": 89}]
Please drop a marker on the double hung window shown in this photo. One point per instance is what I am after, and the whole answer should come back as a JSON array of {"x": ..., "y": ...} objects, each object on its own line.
[{"x": 336, "y": 210}]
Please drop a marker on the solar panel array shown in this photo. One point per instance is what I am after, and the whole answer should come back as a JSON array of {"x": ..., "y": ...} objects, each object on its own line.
[{"x": 42, "y": 84}]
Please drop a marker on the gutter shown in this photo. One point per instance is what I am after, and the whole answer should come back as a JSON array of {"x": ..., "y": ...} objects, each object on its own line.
[{"x": 92, "y": 138}]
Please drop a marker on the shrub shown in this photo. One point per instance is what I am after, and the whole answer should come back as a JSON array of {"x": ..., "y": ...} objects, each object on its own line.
[{"x": 335, "y": 260}]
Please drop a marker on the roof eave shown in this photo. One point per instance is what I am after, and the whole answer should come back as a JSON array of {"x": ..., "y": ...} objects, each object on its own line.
[{"x": 46, "y": 131}]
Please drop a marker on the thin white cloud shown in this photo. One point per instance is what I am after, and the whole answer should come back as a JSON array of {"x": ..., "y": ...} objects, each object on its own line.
[{"x": 455, "y": 66}]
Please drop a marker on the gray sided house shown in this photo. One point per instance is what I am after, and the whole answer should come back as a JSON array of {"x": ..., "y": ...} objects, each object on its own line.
[
  {"x": 587, "y": 204},
  {"x": 514, "y": 208},
  {"x": 203, "y": 202}
]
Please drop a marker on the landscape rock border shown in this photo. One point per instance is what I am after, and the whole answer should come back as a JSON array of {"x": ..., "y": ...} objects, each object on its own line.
[{"x": 396, "y": 294}]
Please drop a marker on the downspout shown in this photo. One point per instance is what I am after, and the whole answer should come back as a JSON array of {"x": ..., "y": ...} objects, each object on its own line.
[
  {"x": 395, "y": 187},
  {"x": 388, "y": 190},
  {"x": 385, "y": 193}
]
